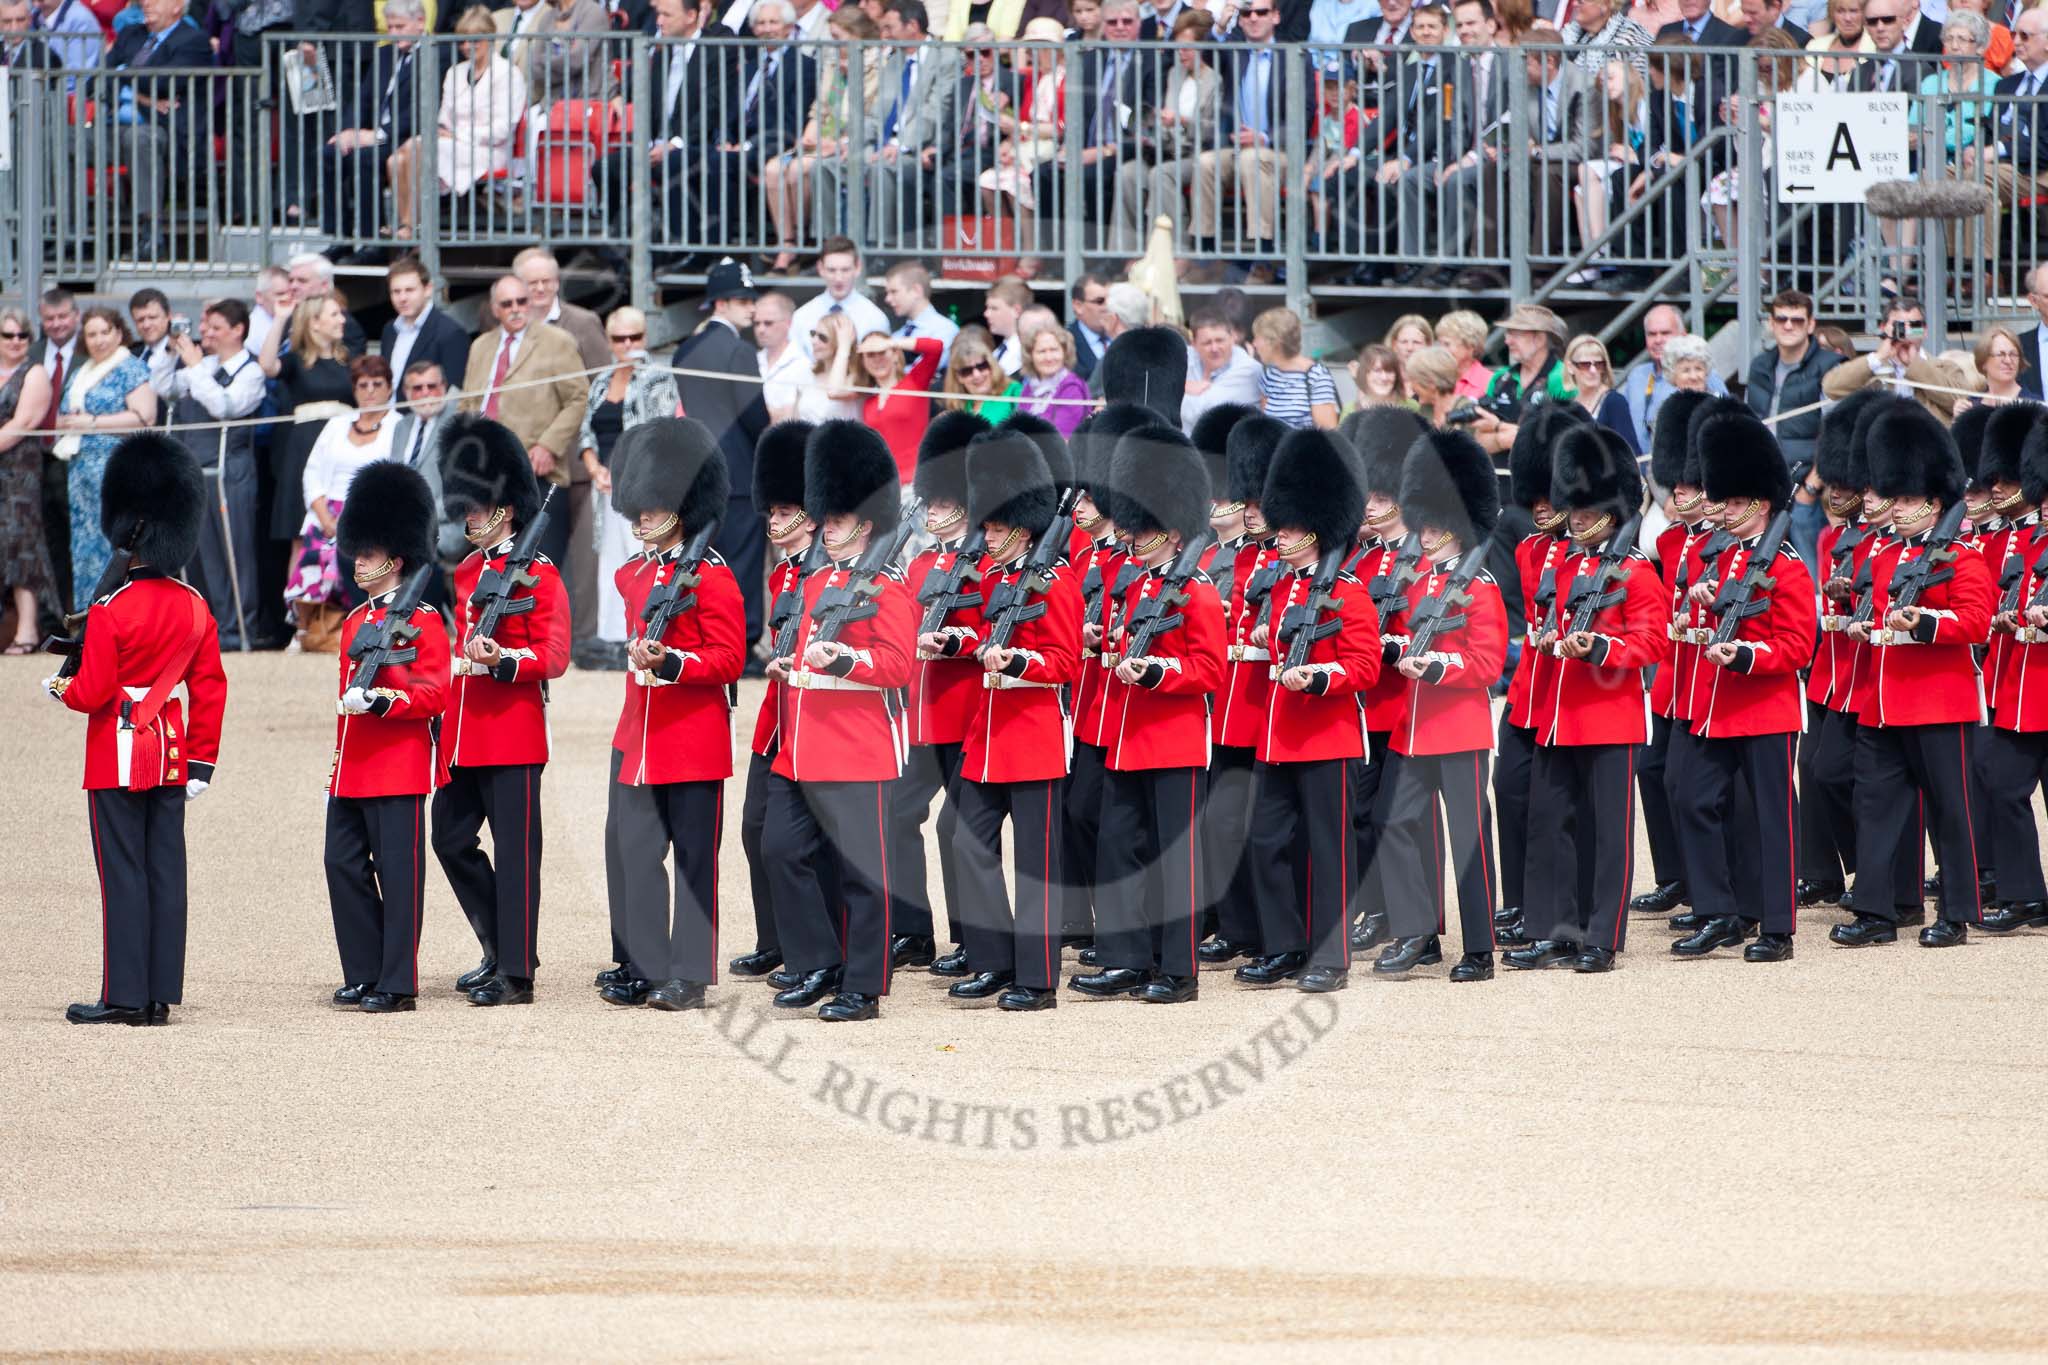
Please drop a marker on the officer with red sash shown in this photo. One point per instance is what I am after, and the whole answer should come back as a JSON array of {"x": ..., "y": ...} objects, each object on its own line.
[
  {"x": 779, "y": 495},
  {"x": 1926, "y": 700},
  {"x": 1325, "y": 639},
  {"x": 672, "y": 750},
  {"x": 147, "y": 752},
  {"x": 1746, "y": 703},
  {"x": 494, "y": 735},
  {"x": 384, "y": 740},
  {"x": 1450, "y": 495},
  {"x": 945, "y": 686},
  {"x": 1539, "y": 568},
  {"x": 842, "y": 742},
  {"x": 1014, "y": 759},
  {"x": 1239, "y": 712},
  {"x": 1149, "y": 893},
  {"x": 1608, "y": 624},
  {"x": 2013, "y": 751}
]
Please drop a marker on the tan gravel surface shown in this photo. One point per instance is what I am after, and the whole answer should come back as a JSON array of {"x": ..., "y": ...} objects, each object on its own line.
[{"x": 1837, "y": 1157}]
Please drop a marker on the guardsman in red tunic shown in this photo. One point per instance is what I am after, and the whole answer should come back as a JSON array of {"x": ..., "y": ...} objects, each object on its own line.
[
  {"x": 1748, "y": 709},
  {"x": 494, "y": 735},
  {"x": 1239, "y": 712},
  {"x": 843, "y": 735},
  {"x": 147, "y": 752},
  {"x": 945, "y": 686},
  {"x": 779, "y": 496},
  {"x": 1211, "y": 435},
  {"x": 1167, "y": 637},
  {"x": 1387, "y": 562},
  {"x": 1926, "y": 699},
  {"x": 2013, "y": 752},
  {"x": 672, "y": 750},
  {"x": 1325, "y": 639},
  {"x": 384, "y": 739},
  {"x": 1587, "y": 695},
  {"x": 1539, "y": 569},
  {"x": 1014, "y": 760},
  {"x": 1450, "y": 495}
]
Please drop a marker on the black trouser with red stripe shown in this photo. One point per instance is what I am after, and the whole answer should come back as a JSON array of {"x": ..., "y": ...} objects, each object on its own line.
[
  {"x": 753, "y": 814},
  {"x": 1148, "y": 883},
  {"x": 377, "y": 887},
  {"x": 1827, "y": 796},
  {"x": 502, "y": 903},
  {"x": 1301, "y": 853},
  {"x": 1736, "y": 813},
  {"x": 1412, "y": 846},
  {"x": 805, "y": 821},
  {"x": 666, "y": 939},
  {"x": 1582, "y": 802},
  {"x": 1028, "y": 942},
  {"x": 2013, "y": 764},
  {"x": 1367, "y": 776},
  {"x": 1226, "y": 834},
  {"x": 1660, "y": 825},
  {"x": 1681, "y": 776},
  {"x": 930, "y": 770},
  {"x": 1892, "y": 762},
  {"x": 138, "y": 846},
  {"x": 1085, "y": 779},
  {"x": 1515, "y": 749}
]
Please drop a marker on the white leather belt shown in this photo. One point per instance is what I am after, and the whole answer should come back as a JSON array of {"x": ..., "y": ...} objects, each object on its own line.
[
  {"x": 825, "y": 682},
  {"x": 2030, "y": 635},
  {"x": 1110, "y": 660},
  {"x": 1693, "y": 635},
  {"x": 1249, "y": 654},
  {"x": 470, "y": 668},
  {"x": 1888, "y": 636},
  {"x": 1834, "y": 624},
  {"x": 1003, "y": 682},
  {"x": 643, "y": 677}
]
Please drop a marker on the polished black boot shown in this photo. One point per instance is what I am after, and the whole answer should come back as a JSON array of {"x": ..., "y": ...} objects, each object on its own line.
[
  {"x": 102, "y": 1013},
  {"x": 1169, "y": 990},
  {"x": 814, "y": 987},
  {"x": 476, "y": 976},
  {"x": 912, "y": 950},
  {"x": 1691, "y": 922},
  {"x": 850, "y": 1007},
  {"x": 1020, "y": 999},
  {"x": 785, "y": 979},
  {"x": 1090, "y": 956},
  {"x": 1945, "y": 933},
  {"x": 1864, "y": 931},
  {"x": 1723, "y": 931},
  {"x": 674, "y": 996},
  {"x": 1508, "y": 914},
  {"x": 1513, "y": 934},
  {"x": 1369, "y": 934},
  {"x": 1322, "y": 980},
  {"x": 629, "y": 993},
  {"x": 2019, "y": 915},
  {"x": 612, "y": 975},
  {"x": 384, "y": 1002},
  {"x": 1544, "y": 952},
  {"x": 952, "y": 964},
  {"x": 1661, "y": 900},
  {"x": 1769, "y": 948},
  {"x": 1473, "y": 967},
  {"x": 1817, "y": 893},
  {"x": 1930, "y": 889},
  {"x": 1272, "y": 969},
  {"x": 504, "y": 990},
  {"x": 1105, "y": 985},
  {"x": 159, "y": 1014},
  {"x": 760, "y": 962},
  {"x": 1594, "y": 960},
  {"x": 1406, "y": 954},
  {"x": 348, "y": 997},
  {"x": 981, "y": 987},
  {"x": 1220, "y": 950}
]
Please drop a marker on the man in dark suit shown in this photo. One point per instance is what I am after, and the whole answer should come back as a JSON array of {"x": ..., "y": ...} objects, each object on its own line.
[
  {"x": 1092, "y": 323},
  {"x": 1157, "y": 25},
  {"x": 736, "y": 414},
  {"x": 691, "y": 83},
  {"x": 1388, "y": 28},
  {"x": 2034, "y": 340},
  {"x": 168, "y": 115},
  {"x": 777, "y": 83},
  {"x": 2018, "y": 142},
  {"x": 1884, "y": 21},
  {"x": 1251, "y": 106},
  {"x": 17, "y": 53},
  {"x": 1698, "y": 22},
  {"x": 1426, "y": 124},
  {"x": 1923, "y": 34},
  {"x": 1759, "y": 15},
  {"x": 418, "y": 330},
  {"x": 948, "y": 149},
  {"x": 380, "y": 114},
  {"x": 1118, "y": 88}
]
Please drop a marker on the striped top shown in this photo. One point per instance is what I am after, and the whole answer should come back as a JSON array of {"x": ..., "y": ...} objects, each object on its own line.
[{"x": 1290, "y": 394}]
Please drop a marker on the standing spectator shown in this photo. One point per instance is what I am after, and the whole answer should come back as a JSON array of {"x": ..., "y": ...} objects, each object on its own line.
[
  {"x": 1129, "y": 308},
  {"x": 417, "y": 444},
  {"x": 483, "y": 97},
  {"x": 1898, "y": 364},
  {"x": 322, "y": 584},
  {"x": 150, "y": 312},
  {"x": 1254, "y": 80},
  {"x": 637, "y": 390},
  {"x": 1292, "y": 388},
  {"x": 309, "y": 275},
  {"x": 972, "y": 375},
  {"x": 2033, "y": 341},
  {"x": 1004, "y": 303},
  {"x": 1998, "y": 360},
  {"x": 106, "y": 397},
  {"x": 736, "y": 414},
  {"x": 57, "y": 352},
  {"x": 271, "y": 297},
  {"x": 784, "y": 365},
  {"x": 900, "y": 419},
  {"x": 314, "y": 386},
  {"x": 908, "y": 289},
  {"x": 1050, "y": 381},
  {"x": 541, "y": 273},
  {"x": 1433, "y": 375},
  {"x": 24, "y": 561},
  {"x": 76, "y": 36},
  {"x": 827, "y": 395},
  {"x": 379, "y": 112},
  {"x": 1220, "y": 371},
  {"x": 418, "y": 330},
  {"x": 1646, "y": 385},
  {"x": 1409, "y": 334},
  {"x": 544, "y": 415},
  {"x": 1789, "y": 377},
  {"x": 1592, "y": 374},
  {"x": 1090, "y": 301},
  {"x": 1535, "y": 371},
  {"x": 158, "y": 117},
  {"x": 1600, "y": 26},
  {"x": 1462, "y": 332},
  {"x": 218, "y": 381},
  {"x": 839, "y": 268},
  {"x": 1381, "y": 379}
]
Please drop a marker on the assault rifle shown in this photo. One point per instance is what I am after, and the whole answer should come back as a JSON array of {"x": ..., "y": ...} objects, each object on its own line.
[
  {"x": 1748, "y": 595},
  {"x": 941, "y": 596},
  {"x": 671, "y": 599},
  {"x": 786, "y": 616},
  {"x": 390, "y": 641},
  {"x": 1912, "y": 581},
  {"x": 1592, "y": 593},
  {"x": 1389, "y": 588},
  {"x": 854, "y": 600},
  {"x": 1435, "y": 615},
  {"x": 1010, "y": 605},
  {"x": 1301, "y": 625},
  {"x": 1154, "y": 616},
  {"x": 494, "y": 589}
]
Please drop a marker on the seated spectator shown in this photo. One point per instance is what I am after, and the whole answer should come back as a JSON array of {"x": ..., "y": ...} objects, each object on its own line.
[
  {"x": 18, "y": 52},
  {"x": 321, "y": 587},
  {"x": 25, "y": 569},
  {"x": 1963, "y": 71},
  {"x": 1031, "y": 134},
  {"x": 483, "y": 98},
  {"x": 1761, "y": 16},
  {"x": 1999, "y": 360},
  {"x": 1250, "y": 167},
  {"x": 776, "y": 81},
  {"x": 556, "y": 65},
  {"x": 1334, "y": 148},
  {"x": 941, "y": 174},
  {"x": 1592, "y": 372},
  {"x": 1599, "y": 26},
  {"x": 1788, "y": 377},
  {"x": 637, "y": 390},
  {"x": 1688, "y": 361},
  {"x": 1433, "y": 375},
  {"x": 1220, "y": 371},
  {"x": 154, "y": 121},
  {"x": 1051, "y": 389},
  {"x": 1999, "y": 47},
  {"x": 1897, "y": 363},
  {"x": 1463, "y": 333},
  {"x": 1377, "y": 372},
  {"x": 218, "y": 381},
  {"x": 982, "y": 389},
  {"x": 1152, "y": 183},
  {"x": 1391, "y": 184},
  {"x": 786, "y": 182},
  {"x": 1292, "y": 388},
  {"x": 1605, "y": 183},
  {"x": 900, "y": 420},
  {"x": 2016, "y": 145},
  {"x": 1114, "y": 90},
  {"x": 76, "y": 38},
  {"x": 378, "y": 115},
  {"x": 106, "y": 397},
  {"x": 1843, "y": 46},
  {"x": 1085, "y": 20},
  {"x": 827, "y": 393}
]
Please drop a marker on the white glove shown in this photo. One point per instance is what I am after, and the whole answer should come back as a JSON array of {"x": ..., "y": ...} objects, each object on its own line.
[
  {"x": 194, "y": 788},
  {"x": 55, "y": 686},
  {"x": 355, "y": 701}
]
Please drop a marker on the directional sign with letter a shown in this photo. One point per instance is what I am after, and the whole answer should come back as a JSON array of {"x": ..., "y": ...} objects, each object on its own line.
[{"x": 1834, "y": 146}]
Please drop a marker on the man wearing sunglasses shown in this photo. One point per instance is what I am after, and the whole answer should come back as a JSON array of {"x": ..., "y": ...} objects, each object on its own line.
[
  {"x": 1788, "y": 377},
  {"x": 1899, "y": 364}
]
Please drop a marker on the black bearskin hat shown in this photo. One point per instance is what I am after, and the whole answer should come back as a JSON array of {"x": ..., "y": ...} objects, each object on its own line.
[
  {"x": 942, "y": 456},
  {"x": 1050, "y": 443},
  {"x": 152, "y": 481},
  {"x": 1381, "y": 437},
  {"x": 1317, "y": 485},
  {"x": 779, "y": 466},
  {"x": 1597, "y": 472},
  {"x": 674, "y": 464},
  {"x": 1701, "y": 414},
  {"x": 1532, "y": 458},
  {"x": 1252, "y": 443},
  {"x": 848, "y": 469},
  {"x": 1147, "y": 366},
  {"x": 1967, "y": 431},
  {"x": 1448, "y": 482},
  {"x": 1212, "y": 437},
  {"x": 1913, "y": 456},
  {"x": 1008, "y": 482},
  {"x": 484, "y": 465},
  {"x": 1835, "y": 455},
  {"x": 2034, "y": 464},
  {"x": 1094, "y": 448},
  {"x": 1158, "y": 483},
  {"x": 2004, "y": 438},
  {"x": 1740, "y": 458},
  {"x": 389, "y": 507},
  {"x": 1668, "y": 437}
]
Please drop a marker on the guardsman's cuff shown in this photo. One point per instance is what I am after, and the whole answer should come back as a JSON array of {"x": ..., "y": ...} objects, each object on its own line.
[
  {"x": 670, "y": 669},
  {"x": 1923, "y": 629},
  {"x": 382, "y": 699},
  {"x": 1745, "y": 657},
  {"x": 847, "y": 661},
  {"x": 198, "y": 772},
  {"x": 1435, "y": 672},
  {"x": 959, "y": 639},
  {"x": 1602, "y": 646}
]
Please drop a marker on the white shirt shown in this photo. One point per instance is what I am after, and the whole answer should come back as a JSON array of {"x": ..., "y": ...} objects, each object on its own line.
[
  {"x": 867, "y": 317},
  {"x": 261, "y": 320},
  {"x": 1008, "y": 356},
  {"x": 1236, "y": 382},
  {"x": 240, "y": 396},
  {"x": 932, "y": 323},
  {"x": 162, "y": 363},
  {"x": 335, "y": 459},
  {"x": 508, "y": 349},
  {"x": 405, "y": 334},
  {"x": 782, "y": 376}
]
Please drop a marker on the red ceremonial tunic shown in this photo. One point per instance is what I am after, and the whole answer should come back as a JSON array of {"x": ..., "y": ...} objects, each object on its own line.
[
  {"x": 1599, "y": 699},
  {"x": 846, "y": 729},
  {"x": 679, "y": 728},
  {"x": 1386, "y": 697},
  {"x": 1535, "y": 556},
  {"x": 1306, "y": 727},
  {"x": 500, "y": 719},
  {"x": 131, "y": 635},
  {"x": 1678, "y": 564},
  {"x": 2015, "y": 549},
  {"x": 1935, "y": 683},
  {"x": 1092, "y": 722},
  {"x": 1167, "y": 726},
  {"x": 1834, "y": 660},
  {"x": 2022, "y": 695},
  {"x": 784, "y": 577},
  {"x": 1248, "y": 685},
  {"x": 1451, "y": 712},
  {"x": 392, "y": 754},
  {"x": 944, "y": 692},
  {"x": 1759, "y": 694},
  {"x": 1019, "y": 729}
]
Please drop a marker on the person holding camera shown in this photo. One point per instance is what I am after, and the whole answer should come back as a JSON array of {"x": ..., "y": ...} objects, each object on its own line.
[
  {"x": 218, "y": 381},
  {"x": 1899, "y": 365}
]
